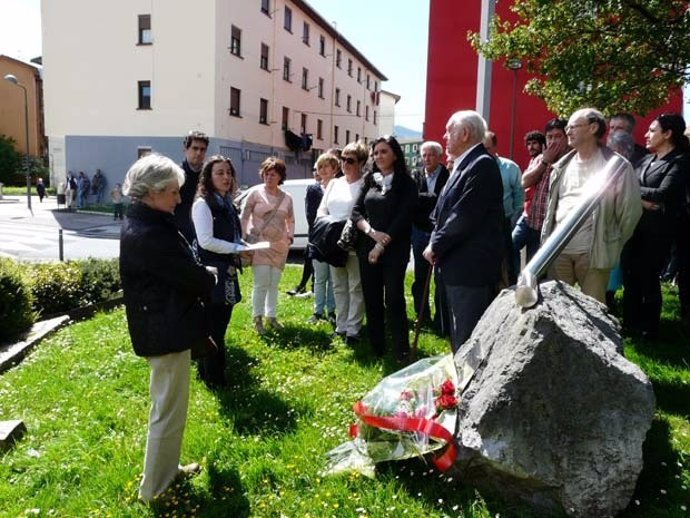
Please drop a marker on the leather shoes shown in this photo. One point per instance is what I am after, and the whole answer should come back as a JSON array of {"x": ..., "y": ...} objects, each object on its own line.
[{"x": 189, "y": 470}]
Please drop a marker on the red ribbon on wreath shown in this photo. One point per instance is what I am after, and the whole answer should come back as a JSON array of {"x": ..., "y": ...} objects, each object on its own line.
[{"x": 411, "y": 424}]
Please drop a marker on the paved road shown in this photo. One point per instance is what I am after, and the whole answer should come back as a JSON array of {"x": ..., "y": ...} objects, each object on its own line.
[{"x": 34, "y": 236}]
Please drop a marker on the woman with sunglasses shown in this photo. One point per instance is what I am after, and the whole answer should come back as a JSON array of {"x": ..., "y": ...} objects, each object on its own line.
[
  {"x": 383, "y": 212},
  {"x": 218, "y": 232},
  {"x": 338, "y": 200},
  {"x": 662, "y": 182}
]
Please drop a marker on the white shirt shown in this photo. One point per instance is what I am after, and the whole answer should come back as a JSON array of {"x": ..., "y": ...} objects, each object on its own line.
[
  {"x": 203, "y": 225},
  {"x": 339, "y": 198}
]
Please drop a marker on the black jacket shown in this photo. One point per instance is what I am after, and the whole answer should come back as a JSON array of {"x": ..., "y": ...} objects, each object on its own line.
[
  {"x": 162, "y": 284},
  {"x": 426, "y": 200},
  {"x": 390, "y": 213},
  {"x": 468, "y": 232},
  {"x": 183, "y": 212}
]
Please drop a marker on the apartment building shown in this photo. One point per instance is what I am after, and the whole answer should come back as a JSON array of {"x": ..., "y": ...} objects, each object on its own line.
[
  {"x": 258, "y": 76},
  {"x": 13, "y": 116}
]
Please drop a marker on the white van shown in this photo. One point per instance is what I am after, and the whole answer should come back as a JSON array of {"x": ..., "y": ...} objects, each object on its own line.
[{"x": 298, "y": 190}]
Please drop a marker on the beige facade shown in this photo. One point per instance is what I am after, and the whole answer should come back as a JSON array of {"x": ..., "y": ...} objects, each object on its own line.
[
  {"x": 220, "y": 66},
  {"x": 12, "y": 112}
]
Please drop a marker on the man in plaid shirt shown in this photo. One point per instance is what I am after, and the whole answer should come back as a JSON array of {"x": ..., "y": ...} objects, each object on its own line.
[{"x": 535, "y": 180}]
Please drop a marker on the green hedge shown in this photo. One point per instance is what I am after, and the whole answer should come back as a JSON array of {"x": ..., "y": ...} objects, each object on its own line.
[
  {"x": 28, "y": 291},
  {"x": 60, "y": 287},
  {"x": 16, "y": 314}
]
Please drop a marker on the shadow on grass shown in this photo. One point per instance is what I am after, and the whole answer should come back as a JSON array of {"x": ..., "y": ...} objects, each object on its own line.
[
  {"x": 672, "y": 347},
  {"x": 659, "y": 487},
  {"x": 225, "y": 498},
  {"x": 446, "y": 493},
  {"x": 673, "y": 398},
  {"x": 253, "y": 410},
  {"x": 317, "y": 338}
]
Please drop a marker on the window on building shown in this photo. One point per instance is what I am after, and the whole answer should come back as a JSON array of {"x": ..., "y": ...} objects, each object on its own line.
[
  {"x": 319, "y": 129},
  {"x": 144, "y": 89},
  {"x": 349, "y": 67},
  {"x": 356, "y": 137},
  {"x": 322, "y": 45},
  {"x": 287, "y": 21},
  {"x": 366, "y": 113},
  {"x": 236, "y": 41},
  {"x": 374, "y": 117},
  {"x": 305, "y": 78},
  {"x": 145, "y": 36},
  {"x": 287, "y": 63},
  {"x": 347, "y": 136},
  {"x": 336, "y": 134},
  {"x": 235, "y": 102},
  {"x": 305, "y": 33},
  {"x": 303, "y": 123},
  {"x": 376, "y": 86},
  {"x": 339, "y": 58},
  {"x": 348, "y": 105},
  {"x": 359, "y": 108},
  {"x": 368, "y": 82},
  {"x": 321, "y": 83},
  {"x": 359, "y": 74},
  {"x": 337, "y": 96},
  {"x": 286, "y": 118},
  {"x": 366, "y": 141},
  {"x": 266, "y": 7},
  {"x": 263, "y": 111},
  {"x": 263, "y": 60}
]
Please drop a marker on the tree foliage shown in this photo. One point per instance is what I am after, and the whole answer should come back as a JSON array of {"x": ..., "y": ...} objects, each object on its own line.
[
  {"x": 616, "y": 55},
  {"x": 10, "y": 160}
]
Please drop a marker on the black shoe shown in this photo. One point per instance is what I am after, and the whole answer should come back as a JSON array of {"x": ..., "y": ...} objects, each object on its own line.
[
  {"x": 337, "y": 334},
  {"x": 331, "y": 318},
  {"x": 352, "y": 340},
  {"x": 315, "y": 318},
  {"x": 297, "y": 290}
]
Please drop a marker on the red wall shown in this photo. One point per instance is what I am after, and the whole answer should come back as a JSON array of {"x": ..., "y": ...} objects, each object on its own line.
[{"x": 452, "y": 76}]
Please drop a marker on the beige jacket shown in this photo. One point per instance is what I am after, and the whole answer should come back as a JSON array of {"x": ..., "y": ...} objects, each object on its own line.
[{"x": 615, "y": 218}]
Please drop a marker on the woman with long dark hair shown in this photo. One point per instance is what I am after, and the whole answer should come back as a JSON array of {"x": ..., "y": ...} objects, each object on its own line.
[
  {"x": 219, "y": 234},
  {"x": 661, "y": 176},
  {"x": 383, "y": 212}
]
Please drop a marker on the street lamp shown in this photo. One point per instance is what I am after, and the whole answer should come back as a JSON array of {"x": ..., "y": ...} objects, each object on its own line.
[
  {"x": 514, "y": 65},
  {"x": 12, "y": 79}
]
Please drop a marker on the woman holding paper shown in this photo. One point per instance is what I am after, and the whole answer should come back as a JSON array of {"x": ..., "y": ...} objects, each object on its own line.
[
  {"x": 268, "y": 215},
  {"x": 218, "y": 234}
]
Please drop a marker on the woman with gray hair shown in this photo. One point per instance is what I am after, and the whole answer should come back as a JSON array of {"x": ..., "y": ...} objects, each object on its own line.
[{"x": 163, "y": 287}]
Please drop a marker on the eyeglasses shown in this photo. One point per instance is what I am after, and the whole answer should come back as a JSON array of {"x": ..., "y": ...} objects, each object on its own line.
[{"x": 348, "y": 160}]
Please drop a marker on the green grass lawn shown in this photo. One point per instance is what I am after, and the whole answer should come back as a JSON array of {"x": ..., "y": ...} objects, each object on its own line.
[{"x": 262, "y": 442}]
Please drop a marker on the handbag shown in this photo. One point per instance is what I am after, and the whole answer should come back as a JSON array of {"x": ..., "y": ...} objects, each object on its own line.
[
  {"x": 323, "y": 241},
  {"x": 254, "y": 235},
  {"x": 349, "y": 237}
]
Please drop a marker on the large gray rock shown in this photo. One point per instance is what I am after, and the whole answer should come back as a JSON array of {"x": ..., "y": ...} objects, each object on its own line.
[{"x": 553, "y": 414}]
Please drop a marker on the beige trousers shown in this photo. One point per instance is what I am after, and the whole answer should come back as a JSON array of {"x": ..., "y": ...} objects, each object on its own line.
[
  {"x": 169, "y": 389},
  {"x": 574, "y": 268},
  {"x": 349, "y": 300}
]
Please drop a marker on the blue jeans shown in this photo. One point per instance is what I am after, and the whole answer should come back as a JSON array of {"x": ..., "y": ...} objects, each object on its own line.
[
  {"x": 323, "y": 288},
  {"x": 524, "y": 236}
]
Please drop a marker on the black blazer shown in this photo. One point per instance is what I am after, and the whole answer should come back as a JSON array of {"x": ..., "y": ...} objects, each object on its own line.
[
  {"x": 162, "y": 284},
  {"x": 390, "y": 213},
  {"x": 426, "y": 201},
  {"x": 662, "y": 181},
  {"x": 468, "y": 232}
]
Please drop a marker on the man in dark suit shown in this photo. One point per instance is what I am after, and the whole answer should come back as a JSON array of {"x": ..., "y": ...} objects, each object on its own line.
[
  {"x": 467, "y": 241},
  {"x": 430, "y": 182}
]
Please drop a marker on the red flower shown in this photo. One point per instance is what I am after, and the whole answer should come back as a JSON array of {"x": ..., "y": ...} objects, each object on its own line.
[
  {"x": 447, "y": 388},
  {"x": 446, "y": 401}
]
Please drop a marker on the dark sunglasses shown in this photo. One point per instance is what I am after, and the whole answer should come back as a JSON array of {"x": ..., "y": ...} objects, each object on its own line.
[{"x": 348, "y": 160}]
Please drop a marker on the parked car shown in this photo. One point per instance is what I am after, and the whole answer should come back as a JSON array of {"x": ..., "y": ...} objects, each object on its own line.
[{"x": 298, "y": 190}]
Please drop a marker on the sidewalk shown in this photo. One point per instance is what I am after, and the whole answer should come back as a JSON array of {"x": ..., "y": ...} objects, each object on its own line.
[{"x": 34, "y": 235}]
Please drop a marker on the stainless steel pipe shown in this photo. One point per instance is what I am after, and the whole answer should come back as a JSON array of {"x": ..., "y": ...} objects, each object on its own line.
[{"x": 527, "y": 288}]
